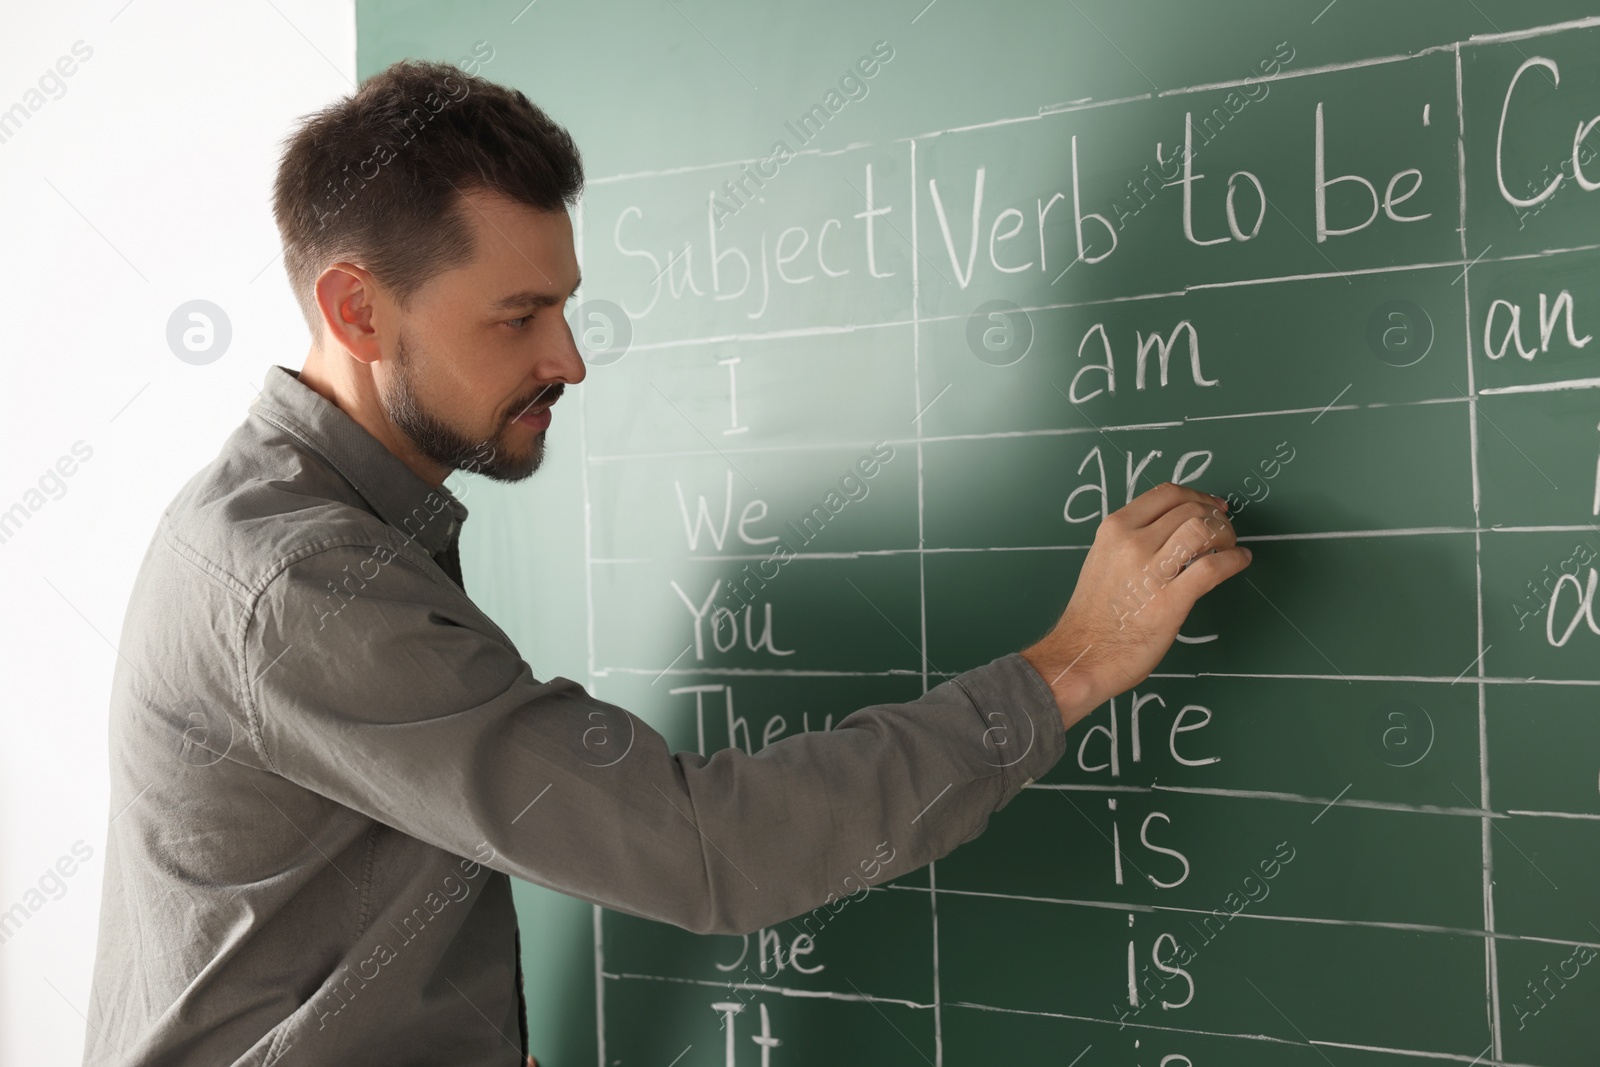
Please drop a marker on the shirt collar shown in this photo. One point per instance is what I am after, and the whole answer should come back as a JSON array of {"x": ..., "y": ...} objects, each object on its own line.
[{"x": 431, "y": 516}]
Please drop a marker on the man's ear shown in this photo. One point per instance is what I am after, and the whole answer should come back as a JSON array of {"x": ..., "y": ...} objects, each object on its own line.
[{"x": 347, "y": 297}]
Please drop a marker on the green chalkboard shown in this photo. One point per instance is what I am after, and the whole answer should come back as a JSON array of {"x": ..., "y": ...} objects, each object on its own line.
[{"x": 1338, "y": 260}]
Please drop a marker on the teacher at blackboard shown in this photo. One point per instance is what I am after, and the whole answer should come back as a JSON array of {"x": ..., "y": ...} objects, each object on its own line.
[{"x": 327, "y": 762}]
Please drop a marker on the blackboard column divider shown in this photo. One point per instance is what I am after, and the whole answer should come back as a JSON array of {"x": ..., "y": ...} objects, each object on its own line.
[
  {"x": 1491, "y": 959},
  {"x": 588, "y": 593},
  {"x": 922, "y": 576}
]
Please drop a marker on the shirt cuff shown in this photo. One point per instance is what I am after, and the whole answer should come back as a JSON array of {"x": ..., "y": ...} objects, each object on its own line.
[{"x": 1023, "y": 732}]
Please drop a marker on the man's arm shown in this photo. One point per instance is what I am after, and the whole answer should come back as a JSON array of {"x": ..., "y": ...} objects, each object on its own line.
[{"x": 406, "y": 705}]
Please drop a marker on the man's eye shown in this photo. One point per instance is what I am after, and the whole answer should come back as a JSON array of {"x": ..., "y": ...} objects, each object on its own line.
[{"x": 517, "y": 324}]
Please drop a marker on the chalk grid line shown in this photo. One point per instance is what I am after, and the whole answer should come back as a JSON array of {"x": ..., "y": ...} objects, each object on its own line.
[{"x": 1485, "y": 812}]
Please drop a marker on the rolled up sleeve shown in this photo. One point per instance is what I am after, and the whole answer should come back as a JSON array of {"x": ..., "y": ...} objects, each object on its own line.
[{"x": 395, "y": 696}]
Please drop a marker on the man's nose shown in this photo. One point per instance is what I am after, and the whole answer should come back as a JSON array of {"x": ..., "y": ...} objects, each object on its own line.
[{"x": 567, "y": 364}]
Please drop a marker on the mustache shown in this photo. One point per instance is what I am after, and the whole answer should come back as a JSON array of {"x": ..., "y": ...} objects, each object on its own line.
[{"x": 550, "y": 394}]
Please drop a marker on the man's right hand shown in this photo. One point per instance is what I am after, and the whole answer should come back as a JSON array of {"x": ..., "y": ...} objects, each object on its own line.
[{"x": 1149, "y": 563}]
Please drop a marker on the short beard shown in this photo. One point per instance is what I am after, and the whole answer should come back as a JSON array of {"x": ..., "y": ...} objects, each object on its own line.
[{"x": 441, "y": 442}]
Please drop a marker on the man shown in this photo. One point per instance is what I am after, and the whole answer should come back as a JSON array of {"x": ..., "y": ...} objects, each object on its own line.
[{"x": 326, "y": 762}]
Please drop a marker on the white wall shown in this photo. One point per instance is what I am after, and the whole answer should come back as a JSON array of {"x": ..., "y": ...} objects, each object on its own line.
[{"x": 140, "y": 182}]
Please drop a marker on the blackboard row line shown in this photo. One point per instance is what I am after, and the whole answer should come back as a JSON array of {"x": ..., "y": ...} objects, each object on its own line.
[
  {"x": 1288, "y": 73},
  {"x": 1457, "y": 264},
  {"x": 602, "y": 671},
  {"x": 1144, "y": 909},
  {"x": 1317, "y": 535},
  {"x": 1297, "y": 798},
  {"x": 1292, "y": 798},
  {"x": 1570, "y": 384},
  {"x": 815, "y": 994},
  {"x": 1309, "y": 920}
]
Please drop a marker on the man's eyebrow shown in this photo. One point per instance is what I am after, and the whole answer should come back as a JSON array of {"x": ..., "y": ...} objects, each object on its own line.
[{"x": 529, "y": 298}]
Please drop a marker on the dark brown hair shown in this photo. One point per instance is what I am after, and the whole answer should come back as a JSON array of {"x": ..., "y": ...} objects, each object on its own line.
[{"x": 377, "y": 178}]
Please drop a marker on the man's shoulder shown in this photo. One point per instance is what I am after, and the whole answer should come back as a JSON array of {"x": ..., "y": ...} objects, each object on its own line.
[{"x": 265, "y": 501}]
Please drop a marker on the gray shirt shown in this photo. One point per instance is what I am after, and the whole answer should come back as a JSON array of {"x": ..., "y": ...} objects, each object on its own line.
[{"x": 327, "y": 762}]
